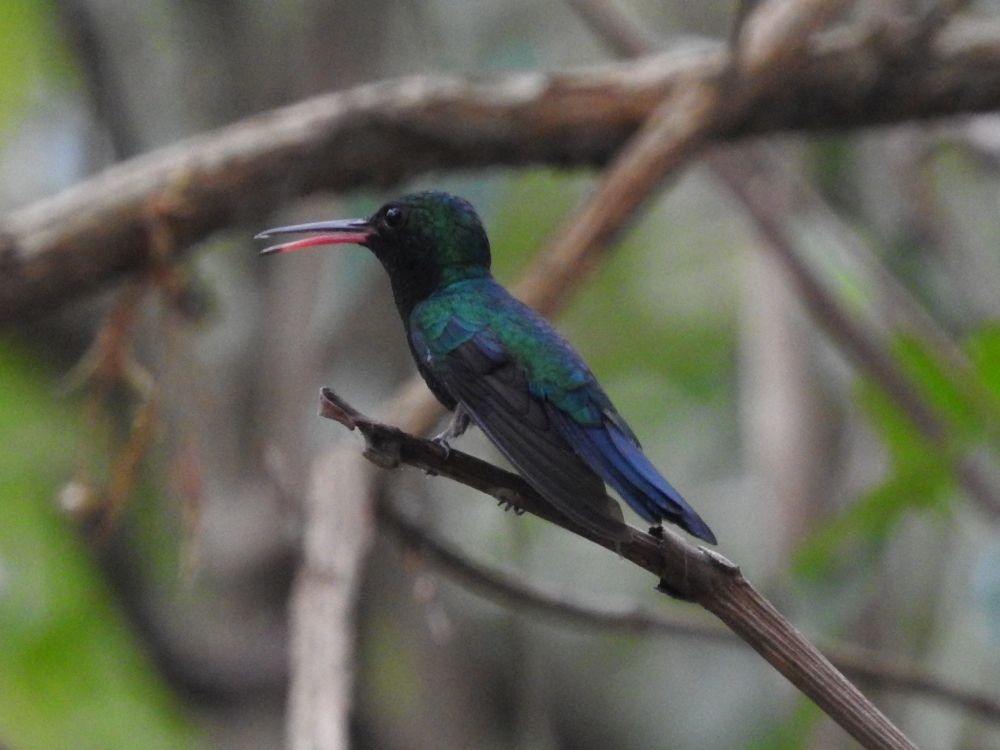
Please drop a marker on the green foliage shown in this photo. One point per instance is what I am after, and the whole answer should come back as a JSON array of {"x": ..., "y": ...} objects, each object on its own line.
[
  {"x": 921, "y": 476},
  {"x": 983, "y": 348},
  {"x": 27, "y": 54},
  {"x": 526, "y": 217},
  {"x": 795, "y": 732},
  {"x": 71, "y": 674},
  {"x": 833, "y": 165}
]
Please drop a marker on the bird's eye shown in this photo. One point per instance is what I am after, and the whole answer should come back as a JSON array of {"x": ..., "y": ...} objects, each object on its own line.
[{"x": 393, "y": 217}]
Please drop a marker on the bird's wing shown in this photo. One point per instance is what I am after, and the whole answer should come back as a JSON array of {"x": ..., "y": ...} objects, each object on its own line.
[
  {"x": 608, "y": 446},
  {"x": 493, "y": 387}
]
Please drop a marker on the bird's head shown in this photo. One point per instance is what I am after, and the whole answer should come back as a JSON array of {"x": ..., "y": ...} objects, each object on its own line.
[{"x": 424, "y": 240}]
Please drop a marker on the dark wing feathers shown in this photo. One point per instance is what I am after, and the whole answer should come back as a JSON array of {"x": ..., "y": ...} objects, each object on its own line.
[
  {"x": 495, "y": 391},
  {"x": 621, "y": 463}
]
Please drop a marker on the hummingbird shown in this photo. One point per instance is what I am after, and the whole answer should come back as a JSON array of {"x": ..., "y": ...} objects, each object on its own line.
[{"x": 494, "y": 361}]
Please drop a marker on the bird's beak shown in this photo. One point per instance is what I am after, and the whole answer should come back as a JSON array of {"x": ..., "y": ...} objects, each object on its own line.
[{"x": 342, "y": 232}]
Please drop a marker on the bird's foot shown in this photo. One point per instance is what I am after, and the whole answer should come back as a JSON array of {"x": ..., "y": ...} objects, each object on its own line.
[
  {"x": 457, "y": 426},
  {"x": 441, "y": 440},
  {"x": 657, "y": 531},
  {"x": 506, "y": 501}
]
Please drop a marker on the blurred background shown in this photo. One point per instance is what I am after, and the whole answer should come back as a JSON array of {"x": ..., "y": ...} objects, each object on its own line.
[{"x": 150, "y": 501}]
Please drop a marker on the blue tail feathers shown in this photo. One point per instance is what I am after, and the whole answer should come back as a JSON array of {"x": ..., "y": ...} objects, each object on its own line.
[{"x": 622, "y": 464}]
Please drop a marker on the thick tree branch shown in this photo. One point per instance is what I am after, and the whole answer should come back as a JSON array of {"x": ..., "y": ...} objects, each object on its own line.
[
  {"x": 497, "y": 586},
  {"x": 691, "y": 573},
  {"x": 383, "y": 133}
]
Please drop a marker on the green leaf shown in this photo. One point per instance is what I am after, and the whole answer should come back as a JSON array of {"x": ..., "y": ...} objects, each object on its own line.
[
  {"x": 920, "y": 478},
  {"x": 27, "y": 52},
  {"x": 938, "y": 385},
  {"x": 71, "y": 672},
  {"x": 858, "y": 535},
  {"x": 984, "y": 349},
  {"x": 795, "y": 732}
]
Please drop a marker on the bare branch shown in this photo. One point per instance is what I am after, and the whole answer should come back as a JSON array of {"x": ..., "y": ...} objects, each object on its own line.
[
  {"x": 79, "y": 22},
  {"x": 338, "y": 535},
  {"x": 857, "y": 662},
  {"x": 619, "y": 30},
  {"x": 773, "y": 37},
  {"x": 383, "y": 133},
  {"x": 767, "y": 209},
  {"x": 938, "y": 16},
  {"x": 686, "y": 572}
]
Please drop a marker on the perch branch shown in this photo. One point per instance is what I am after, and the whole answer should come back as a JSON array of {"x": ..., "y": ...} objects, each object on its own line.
[
  {"x": 684, "y": 571},
  {"x": 383, "y": 133}
]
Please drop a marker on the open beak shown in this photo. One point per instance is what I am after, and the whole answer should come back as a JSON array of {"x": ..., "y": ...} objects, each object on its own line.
[{"x": 347, "y": 231}]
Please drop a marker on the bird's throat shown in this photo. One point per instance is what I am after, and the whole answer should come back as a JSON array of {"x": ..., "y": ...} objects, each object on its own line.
[{"x": 411, "y": 286}]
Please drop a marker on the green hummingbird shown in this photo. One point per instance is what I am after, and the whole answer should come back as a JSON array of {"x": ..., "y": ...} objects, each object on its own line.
[{"x": 490, "y": 358}]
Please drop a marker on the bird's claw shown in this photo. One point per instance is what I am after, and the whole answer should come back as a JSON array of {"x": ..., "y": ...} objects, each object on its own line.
[
  {"x": 508, "y": 505},
  {"x": 457, "y": 426},
  {"x": 507, "y": 502},
  {"x": 441, "y": 440}
]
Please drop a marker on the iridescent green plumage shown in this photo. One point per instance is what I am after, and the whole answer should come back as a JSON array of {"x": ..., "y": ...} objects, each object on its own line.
[
  {"x": 481, "y": 307},
  {"x": 486, "y": 353}
]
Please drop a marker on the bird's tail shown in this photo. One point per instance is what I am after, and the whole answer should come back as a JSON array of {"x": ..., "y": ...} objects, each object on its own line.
[{"x": 620, "y": 462}]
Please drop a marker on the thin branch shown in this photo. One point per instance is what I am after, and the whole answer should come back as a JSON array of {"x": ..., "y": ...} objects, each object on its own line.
[
  {"x": 79, "y": 23},
  {"x": 686, "y": 572},
  {"x": 383, "y": 133},
  {"x": 767, "y": 208},
  {"x": 501, "y": 588},
  {"x": 618, "y": 29},
  {"x": 337, "y": 537},
  {"x": 509, "y": 592}
]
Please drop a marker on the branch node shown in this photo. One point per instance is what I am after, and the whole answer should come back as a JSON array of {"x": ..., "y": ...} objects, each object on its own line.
[
  {"x": 383, "y": 453},
  {"x": 664, "y": 587},
  {"x": 720, "y": 562}
]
